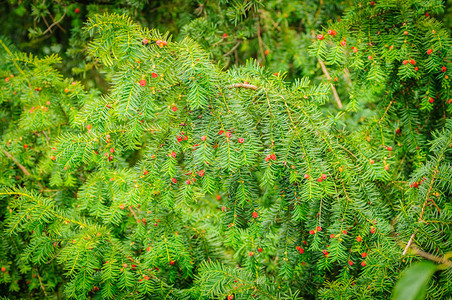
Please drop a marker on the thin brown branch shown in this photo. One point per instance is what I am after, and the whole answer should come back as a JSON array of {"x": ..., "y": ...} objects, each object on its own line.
[
  {"x": 336, "y": 95},
  {"x": 421, "y": 215},
  {"x": 55, "y": 23},
  {"x": 426, "y": 255},
  {"x": 232, "y": 49},
  {"x": 131, "y": 210},
  {"x": 40, "y": 282},
  {"x": 243, "y": 85},
  {"x": 21, "y": 167}
]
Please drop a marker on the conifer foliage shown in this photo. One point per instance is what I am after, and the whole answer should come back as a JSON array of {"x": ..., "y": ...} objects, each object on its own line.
[{"x": 189, "y": 180}]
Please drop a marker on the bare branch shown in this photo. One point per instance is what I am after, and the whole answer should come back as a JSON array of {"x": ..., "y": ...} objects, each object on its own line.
[
  {"x": 243, "y": 85},
  {"x": 336, "y": 95}
]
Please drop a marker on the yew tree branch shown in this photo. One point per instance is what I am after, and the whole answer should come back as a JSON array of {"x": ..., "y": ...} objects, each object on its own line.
[
  {"x": 243, "y": 85},
  {"x": 336, "y": 95},
  {"x": 21, "y": 167}
]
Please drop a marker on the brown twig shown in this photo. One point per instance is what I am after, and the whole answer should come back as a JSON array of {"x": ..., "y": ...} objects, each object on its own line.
[
  {"x": 55, "y": 23},
  {"x": 40, "y": 282},
  {"x": 21, "y": 167},
  {"x": 232, "y": 49},
  {"x": 421, "y": 215},
  {"x": 243, "y": 85},
  {"x": 336, "y": 95},
  {"x": 431, "y": 257},
  {"x": 131, "y": 210}
]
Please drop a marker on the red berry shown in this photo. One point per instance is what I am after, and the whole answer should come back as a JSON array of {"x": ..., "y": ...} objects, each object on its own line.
[
  {"x": 323, "y": 176},
  {"x": 142, "y": 82},
  {"x": 124, "y": 266},
  {"x": 3, "y": 269},
  {"x": 174, "y": 108},
  {"x": 350, "y": 263},
  {"x": 66, "y": 90},
  {"x": 431, "y": 100},
  {"x": 372, "y": 230},
  {"x": 223, "y": 208},
  {"x": 343, "y": 43},
  {"x": 145, "y": 172},
  {"x": 145, "y": 41},
  {"x": 255, "y": 214},
  {"x": 364, "y": 254},
  {"x": 301, "y": 250},
  {"x": 122, "y": 206},
  {"x": 443, "y": 69},
  {"x": 112, "y": 150},
  {"x": 306, "y": 176},
  {"x": 371, "y": 161},
  {"x": 88, "y": 127},
  {"x": 133, "y": 267},
  {"x": 267, "y": 52},
  {"x": 174, "y": 180},
  {"x": 386, "y": 167},
  {"x": 344, "y": 232},
  {"x": 146, "y": 277},
  {"x": 25, "y": 146},
  {"x": 413, "y": 62},
  {"x": 405, "y": 32},
  {"x": 230, "y": 297},
  {"x": 221, "y": 132},
  {"x": 370, "y": 57},
  {"x": 259, "y": 249},
  {"x": 246, "y": 82},
  {"x": 427, "y": 15},
  {"x": 218, "y": 197},
  {"x": 319, "y": 179},
  {"x": 154, "y": 75},
  {"x": 7, "y": 79},
  {"x": 241, "y": 140},
  {"x": 320, "y": 36},
  {"x": 359, "y": 239},
  {"x": 405, "y": 62},
  {"x": 372, "y": 3},
  {"x": 225, "y": 35},
  {"x": 179, "y": 139},
  {"x": 203, "y": 138},
  {"x": 52, "y": 157},
  {"x": 251, "y": 253},
  {"x": 276, "y": 74},
  {"x": 332, "y": 236},
  {"x": 172, "y": 262},
  {"x": 77, "y": 10},
  {"x": 429, "y": 51},
  {"x": 148, "y": 249},
  {"x": 363, "y": 263},
  {"x": 416, "y": 68},
  {"x": 311, "y": 231},
  {"x": 201, "y": 173},
  {"x": 332, "y": 32},
  {"x": 187, "y": 181},
  {"x": 227, "y": 134},
  {"x": 319, "y": 228},
  {"x": 389, "y": 148},
  {"x": 173, "y": 154}
]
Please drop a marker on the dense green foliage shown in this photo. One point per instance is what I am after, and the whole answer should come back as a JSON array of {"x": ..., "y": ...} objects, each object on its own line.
[{"x": 257, "y": 150}]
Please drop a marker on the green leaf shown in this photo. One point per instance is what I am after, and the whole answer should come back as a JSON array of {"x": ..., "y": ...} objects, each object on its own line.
[{"x": 413, "y": 283}]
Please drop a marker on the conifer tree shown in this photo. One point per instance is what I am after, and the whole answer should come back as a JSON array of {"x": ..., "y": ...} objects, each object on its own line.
[{"x": 192, "y": 176}]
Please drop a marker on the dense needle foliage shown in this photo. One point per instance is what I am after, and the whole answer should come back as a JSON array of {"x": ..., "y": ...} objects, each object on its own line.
[{"x": 225, "y": 150}]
